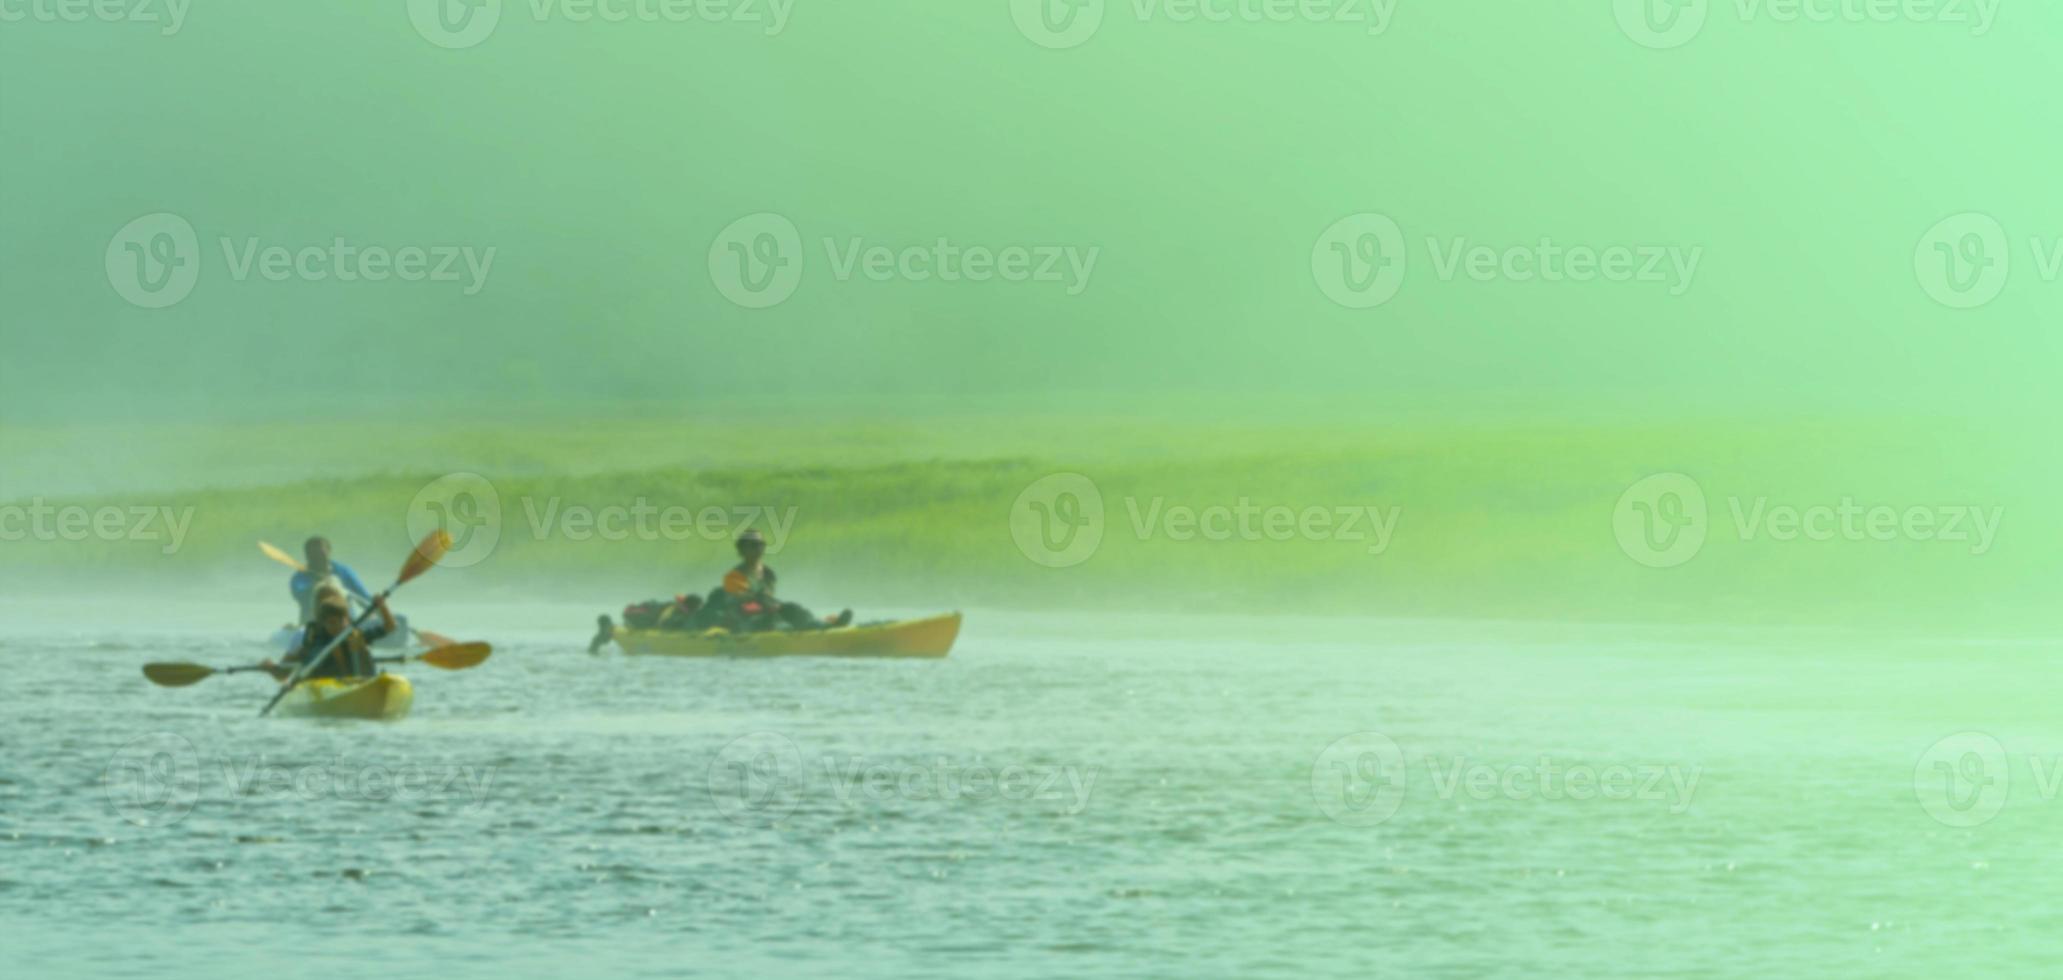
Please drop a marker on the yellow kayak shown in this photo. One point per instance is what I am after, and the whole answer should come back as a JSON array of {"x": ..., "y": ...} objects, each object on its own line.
[
  {"x": 931, "y": 637},
  {"x": 384, "y": 698}
]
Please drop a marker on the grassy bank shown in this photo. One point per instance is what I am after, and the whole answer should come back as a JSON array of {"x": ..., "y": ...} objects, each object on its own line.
[{"x": 1513, "y": 520}]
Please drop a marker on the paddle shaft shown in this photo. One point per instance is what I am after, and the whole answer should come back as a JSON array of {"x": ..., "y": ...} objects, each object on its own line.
[{"x": 307, "y": 665}]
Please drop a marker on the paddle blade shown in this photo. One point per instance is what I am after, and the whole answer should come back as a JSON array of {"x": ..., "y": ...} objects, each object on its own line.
[
  {"x": 457, "y": 657},
  {"x": 434, "y": 639},
  {"x": 280, "y": 555},
  {"x": 177, "y": 675},
  {"x": 425, "y": 556}
]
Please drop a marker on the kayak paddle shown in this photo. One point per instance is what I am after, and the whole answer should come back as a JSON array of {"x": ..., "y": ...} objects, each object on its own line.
[
  {"x": 280, "y": 555},
  {"x": 421, "y": 560},
  {"x": 186, "y": 675},
  {"x": 455, "y": 657},
  {"x": 461, "y": 656}
]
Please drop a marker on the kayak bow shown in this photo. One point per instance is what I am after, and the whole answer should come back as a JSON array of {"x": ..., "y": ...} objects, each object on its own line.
[{"x": 384, "y": 698}]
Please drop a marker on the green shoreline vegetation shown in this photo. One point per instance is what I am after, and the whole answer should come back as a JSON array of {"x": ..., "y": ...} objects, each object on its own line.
[{"x": 1505, "y": 521}]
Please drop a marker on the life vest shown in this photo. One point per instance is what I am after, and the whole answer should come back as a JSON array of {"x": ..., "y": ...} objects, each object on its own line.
[
  {"x": 352, "y": 658},
  {"x": 741, "y": 585}
]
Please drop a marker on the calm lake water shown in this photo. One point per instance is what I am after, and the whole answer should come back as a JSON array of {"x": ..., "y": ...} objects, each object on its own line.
[{"x": 1081, "y": 797}]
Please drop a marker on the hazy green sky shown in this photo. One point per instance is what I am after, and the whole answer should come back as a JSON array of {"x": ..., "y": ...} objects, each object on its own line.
[{"x": 1201, "y": 163}]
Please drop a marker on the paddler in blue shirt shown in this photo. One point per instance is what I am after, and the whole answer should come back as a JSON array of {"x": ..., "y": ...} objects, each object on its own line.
[{"x": 321, "y": 572}]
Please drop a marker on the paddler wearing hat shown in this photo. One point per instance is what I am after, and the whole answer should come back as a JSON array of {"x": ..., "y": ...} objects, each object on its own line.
[
  {"x": 749, "y": 590},
  {"x": 351, "y": 658}
]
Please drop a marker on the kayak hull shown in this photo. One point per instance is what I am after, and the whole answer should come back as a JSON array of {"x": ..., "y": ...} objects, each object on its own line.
[
  {"x": 387, "y": 697},
  {"x": 931, "y": 637}
]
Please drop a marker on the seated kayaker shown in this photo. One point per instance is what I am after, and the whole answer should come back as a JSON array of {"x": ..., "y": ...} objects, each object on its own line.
[
  {"x": 748, "y": 591},
  {"x": 321, "y": 573},
  {"x": 351, "y": 658}
]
